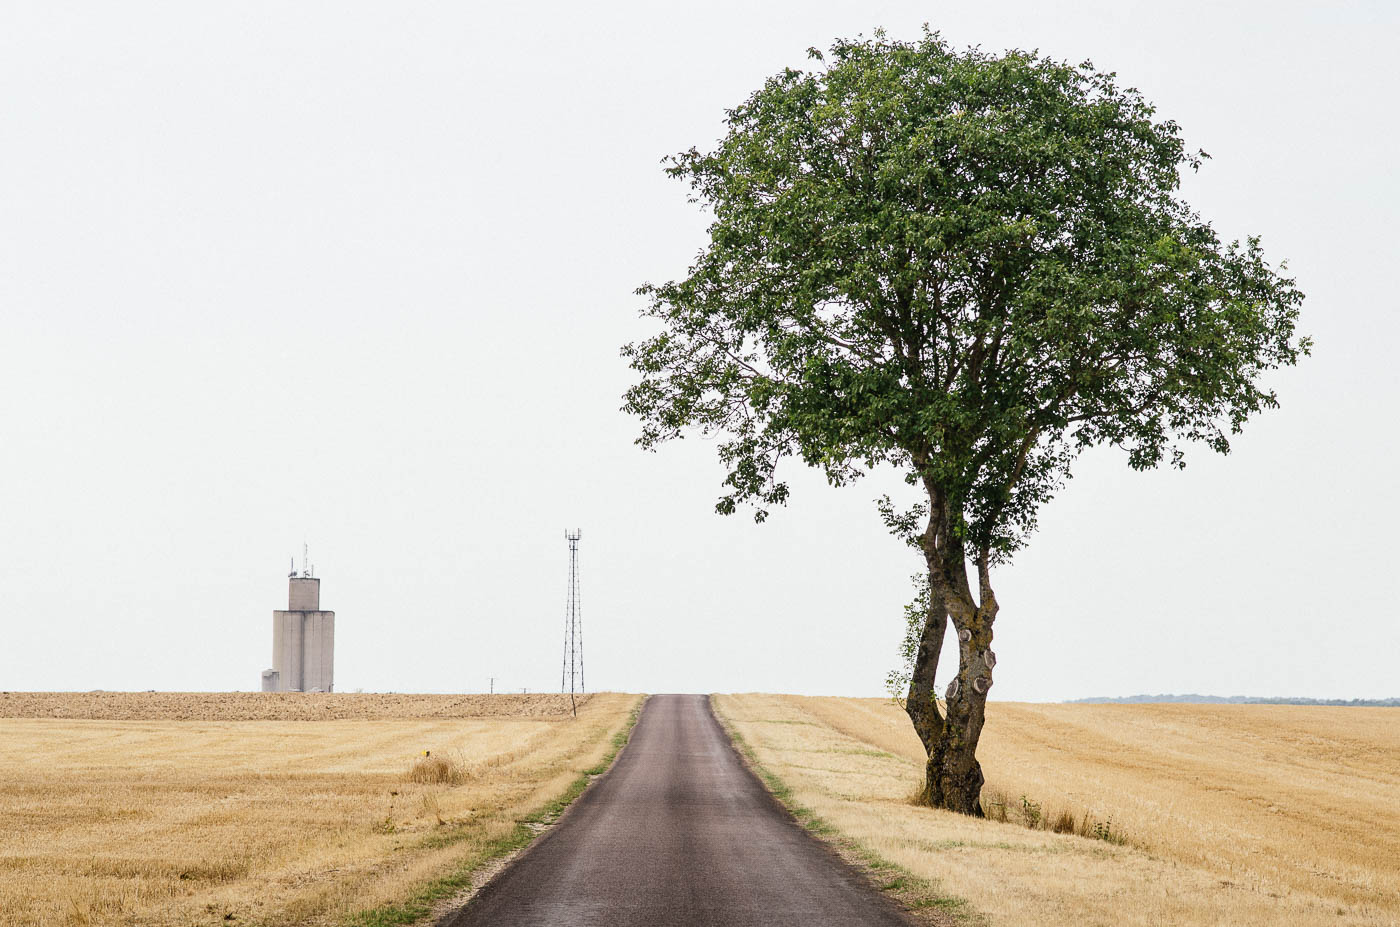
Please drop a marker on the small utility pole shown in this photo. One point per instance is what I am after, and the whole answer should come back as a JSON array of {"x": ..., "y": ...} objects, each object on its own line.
[{"x": 492, "y": 690}]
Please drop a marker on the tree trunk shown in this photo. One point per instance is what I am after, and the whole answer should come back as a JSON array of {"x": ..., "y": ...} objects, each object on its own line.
[{"x": 953, "y": 777}]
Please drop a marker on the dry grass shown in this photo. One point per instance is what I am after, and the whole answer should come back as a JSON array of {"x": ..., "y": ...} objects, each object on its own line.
[
  {"x": 1241, "y": 815},
  {"x": 164, "y": 822},
  {"x": 438, "y": 770}
]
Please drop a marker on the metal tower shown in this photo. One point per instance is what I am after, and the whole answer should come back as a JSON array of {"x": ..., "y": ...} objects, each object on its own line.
[{"x": 571, "y": 680}]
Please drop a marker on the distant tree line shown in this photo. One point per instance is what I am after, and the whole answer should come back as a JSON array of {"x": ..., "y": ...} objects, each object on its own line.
[{"x": 1239, "y": 700}]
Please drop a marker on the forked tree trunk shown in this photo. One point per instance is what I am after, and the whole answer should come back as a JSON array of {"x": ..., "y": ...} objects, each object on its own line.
[{"x": 952, "y": 776}]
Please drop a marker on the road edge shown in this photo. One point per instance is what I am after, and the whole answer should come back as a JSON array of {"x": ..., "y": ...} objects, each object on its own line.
[
  {"x": 918, "y": 897},
  {"x": 437, "y": 900}
]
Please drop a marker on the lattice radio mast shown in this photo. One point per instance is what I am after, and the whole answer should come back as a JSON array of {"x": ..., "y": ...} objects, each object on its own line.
[{"x": 571, "y": 680}]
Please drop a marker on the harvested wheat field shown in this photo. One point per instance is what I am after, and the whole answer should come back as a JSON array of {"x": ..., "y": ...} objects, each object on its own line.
[
  {"x": 276, "y": 706},
  {"x": 1237, "y": 815},
  {"x": 180, "y": 812}
]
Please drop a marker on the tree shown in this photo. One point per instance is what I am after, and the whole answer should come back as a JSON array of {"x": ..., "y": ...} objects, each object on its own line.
[{"x": 971, "y": 268}]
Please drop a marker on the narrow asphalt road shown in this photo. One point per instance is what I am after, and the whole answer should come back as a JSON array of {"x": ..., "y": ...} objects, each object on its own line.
[{"x": 678, "y": 833}]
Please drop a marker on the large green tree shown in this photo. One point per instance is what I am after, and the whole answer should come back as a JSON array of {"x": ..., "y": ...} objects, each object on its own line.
[{"x": 969, "y": 267}]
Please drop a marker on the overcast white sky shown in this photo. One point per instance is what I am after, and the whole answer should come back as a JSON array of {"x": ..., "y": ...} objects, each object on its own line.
[{"x": 358, "y": 274}]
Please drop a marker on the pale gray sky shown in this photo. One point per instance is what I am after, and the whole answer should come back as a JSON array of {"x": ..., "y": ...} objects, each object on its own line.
[{"x": 358, "y": 274}]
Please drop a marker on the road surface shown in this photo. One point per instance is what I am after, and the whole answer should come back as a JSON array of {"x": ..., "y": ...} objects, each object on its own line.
[{"x": 678, "y": 833}]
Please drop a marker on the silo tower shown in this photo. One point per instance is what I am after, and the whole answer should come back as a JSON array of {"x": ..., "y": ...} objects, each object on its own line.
[{"x": 303, "y": 638}]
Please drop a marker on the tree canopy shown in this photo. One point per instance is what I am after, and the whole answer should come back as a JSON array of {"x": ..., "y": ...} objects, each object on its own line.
[{"x": 969, "y": 266}]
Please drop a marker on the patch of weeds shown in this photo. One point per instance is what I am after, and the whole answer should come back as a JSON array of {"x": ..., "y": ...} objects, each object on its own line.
[
  {"x": 1033, "y": 816},
  {"x": 439, "y": 769},
  {"x": 1101, "y": 830},
  {"x": 1062, "y": 823},
  {"x": 994, "y": 806},
  {"x": 429, "y": 806},
  {"x": 1030, "y": 812}
]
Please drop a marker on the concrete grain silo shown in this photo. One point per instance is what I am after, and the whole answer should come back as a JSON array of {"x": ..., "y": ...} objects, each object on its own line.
[{"x": 303, "y": 641}]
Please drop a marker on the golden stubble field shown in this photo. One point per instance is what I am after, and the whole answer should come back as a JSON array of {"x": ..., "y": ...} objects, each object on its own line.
[
  {"x": 183, "y": 809},
  {"x": 1238, "y": 815}
]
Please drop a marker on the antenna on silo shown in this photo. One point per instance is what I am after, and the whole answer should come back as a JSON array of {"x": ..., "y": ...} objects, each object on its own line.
[{"x": 571, "y": 679}]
